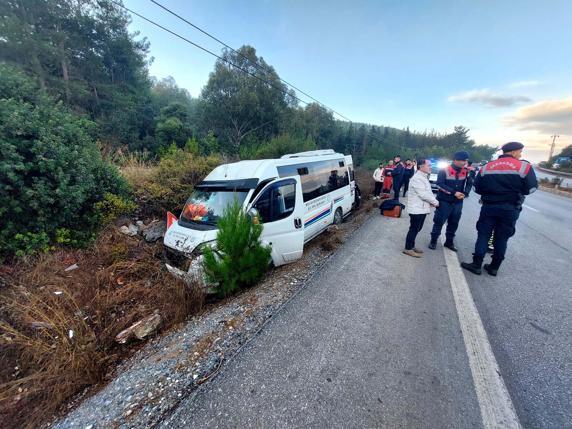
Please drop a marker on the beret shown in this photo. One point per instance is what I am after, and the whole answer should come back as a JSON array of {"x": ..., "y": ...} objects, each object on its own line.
[
  {"x": 461, "y": 156},
  {"x": 509, "y": 147}
]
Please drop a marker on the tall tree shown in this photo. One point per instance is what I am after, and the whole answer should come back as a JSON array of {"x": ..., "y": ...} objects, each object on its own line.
[
  {"x": 81, "y": 52},
  {"x": 238, "y": 106}
]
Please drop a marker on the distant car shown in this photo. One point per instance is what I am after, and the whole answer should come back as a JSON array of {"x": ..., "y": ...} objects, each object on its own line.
[
  {"x": 556, "y": 165},
  {"x": 436, "y": 166},
  {"x": 433, "y": 177}
]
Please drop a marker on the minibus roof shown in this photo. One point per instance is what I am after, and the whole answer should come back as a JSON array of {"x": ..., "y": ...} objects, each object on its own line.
[{"x": 263, "y": 169}]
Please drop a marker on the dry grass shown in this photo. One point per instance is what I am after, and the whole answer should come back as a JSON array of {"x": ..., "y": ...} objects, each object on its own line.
[
  {"x": 137, "y": 170},
  {"x": 331, "y": 239},
  {"x": 165, "y": 185},
  {"x": 365, "y": 181},
  {"x": 57, "y": 328}
]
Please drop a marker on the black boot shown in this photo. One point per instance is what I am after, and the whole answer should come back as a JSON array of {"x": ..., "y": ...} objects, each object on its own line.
[
  {"x": 450, "y": 245},
  {"x": 433, "y": 244},
  {"x": 474, "y": 267},
  {"x": 489, "y": 269},
  {"x": 493, "y": 267}
]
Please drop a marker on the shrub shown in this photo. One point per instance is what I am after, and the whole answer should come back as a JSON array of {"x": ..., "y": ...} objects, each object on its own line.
[
  {"x": 51, "y": 172},
  {"x": 113, "y": 206},
  {"x": 167, "y": 185},
  {"x": 239, "y": 259},
  {"x": 28, "y": 243}
]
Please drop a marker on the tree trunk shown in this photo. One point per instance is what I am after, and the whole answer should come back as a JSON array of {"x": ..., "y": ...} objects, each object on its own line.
[{"x": 65, "y": 71}]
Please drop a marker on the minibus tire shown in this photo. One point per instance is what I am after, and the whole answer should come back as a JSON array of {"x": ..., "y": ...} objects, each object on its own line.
[{"x": 338, "y": 216}]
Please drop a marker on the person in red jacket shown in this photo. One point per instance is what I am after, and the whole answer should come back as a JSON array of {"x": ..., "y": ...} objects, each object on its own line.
[{"x": 388, "y": 177}]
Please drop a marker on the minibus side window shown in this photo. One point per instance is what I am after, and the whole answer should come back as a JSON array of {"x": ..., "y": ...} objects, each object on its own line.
[{"x": 277, "y": 202}]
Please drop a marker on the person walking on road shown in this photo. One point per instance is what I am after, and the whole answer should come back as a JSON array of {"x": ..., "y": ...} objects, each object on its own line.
[
  {"x": 502, "y": 184},
  {"x": 408, "y": 173},
  {"x": 454, "y": 184},
  {"x": 397, "y": 175},
  {"x": 378, "y": 181},
  {"x": 419, "y": 203}
]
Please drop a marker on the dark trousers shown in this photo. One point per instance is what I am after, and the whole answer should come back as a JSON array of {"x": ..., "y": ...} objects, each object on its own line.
[
  {"x": 450, "y": 213},
  {"x": 405, "y": 185},
  {"x": 377, "y": 189},
  {"x": 415, "y": 225},
  {"x": 502, "y": 220},
  {"x": 396, "y": 188}
]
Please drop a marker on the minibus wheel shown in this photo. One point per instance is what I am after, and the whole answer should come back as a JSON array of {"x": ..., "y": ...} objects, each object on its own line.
[{"x": 338, "y": 216}]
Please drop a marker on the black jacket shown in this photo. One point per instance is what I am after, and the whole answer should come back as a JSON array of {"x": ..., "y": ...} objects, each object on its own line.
[
  {"x": 397, "y": 172},
  {"x": 453, "y": 179},
  {"x": 505, "y": 181},
  {"x": 408, "y": 172}
]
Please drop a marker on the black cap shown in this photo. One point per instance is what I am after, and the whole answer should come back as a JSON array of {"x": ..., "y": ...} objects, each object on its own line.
[
  {"x": 461, "y": 156},
  {"x": 509, "y": 147}
]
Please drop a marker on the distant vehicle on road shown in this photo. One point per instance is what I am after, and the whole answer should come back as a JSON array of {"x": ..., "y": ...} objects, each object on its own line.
[
  {"x": 436, "y": 166},
  {"x": 297, "y": 197}
]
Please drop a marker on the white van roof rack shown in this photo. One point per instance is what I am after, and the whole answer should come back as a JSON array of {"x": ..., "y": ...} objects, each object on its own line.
[{"x": 321, "y": 152}]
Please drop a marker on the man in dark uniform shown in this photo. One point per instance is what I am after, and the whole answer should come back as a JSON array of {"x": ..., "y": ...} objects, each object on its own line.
[
  {"x": 408, "y": 172},
  {"x": 502, "y": 184},
  {"x": 397, "y": 175},
  {"x": 454, "y": 183}
]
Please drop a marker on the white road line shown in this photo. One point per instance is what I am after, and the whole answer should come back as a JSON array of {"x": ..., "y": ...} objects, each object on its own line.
[
  {"x": 497, "y": 410},
  {"x": 531, "y": 208}
]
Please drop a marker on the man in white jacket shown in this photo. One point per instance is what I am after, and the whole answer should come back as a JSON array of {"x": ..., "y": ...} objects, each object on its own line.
[
  {"x": 378, "y": 180},
  {"x": 419, "y": 202}
]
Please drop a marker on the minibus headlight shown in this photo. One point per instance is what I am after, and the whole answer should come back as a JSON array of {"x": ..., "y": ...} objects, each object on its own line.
[{"x": 202, "y": 247}]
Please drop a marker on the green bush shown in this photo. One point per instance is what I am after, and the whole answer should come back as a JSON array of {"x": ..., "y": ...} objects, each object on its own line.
[
  {"x": 238, "y": 259},
  {"x": 28, "y": 243},
  {"x": 51, "y": 172},
  {"x": 173, "y": 180},
  {"x": 113, "y": 206}
]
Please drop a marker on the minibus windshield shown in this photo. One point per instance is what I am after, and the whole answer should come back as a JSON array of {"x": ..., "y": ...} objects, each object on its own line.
[{"x": 205, "y": 206}]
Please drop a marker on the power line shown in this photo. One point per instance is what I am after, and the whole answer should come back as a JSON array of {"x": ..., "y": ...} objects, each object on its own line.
[
  {"x": 207, "y": 51},
  {"x": 258, "y": 66}
]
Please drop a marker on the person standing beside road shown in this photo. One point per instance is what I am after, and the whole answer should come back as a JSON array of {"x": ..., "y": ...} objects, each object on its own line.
[
  {"x": 419, "y": 203},
  {"x": 454, "y": 184},
  {"x": 502, "y": 184},
  {"x": 387, "y": 177},
  {"x": 408, "y": 173},
  {"x": 378, "y": 181},
  {"x": 397, "y": 175}
]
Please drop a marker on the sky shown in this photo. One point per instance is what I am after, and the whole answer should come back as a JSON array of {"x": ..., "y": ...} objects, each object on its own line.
[{"x": 501, "y": 68}]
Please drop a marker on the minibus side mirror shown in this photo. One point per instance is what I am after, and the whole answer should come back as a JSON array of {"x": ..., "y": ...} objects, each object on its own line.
[{"x": 254, "y": 215}]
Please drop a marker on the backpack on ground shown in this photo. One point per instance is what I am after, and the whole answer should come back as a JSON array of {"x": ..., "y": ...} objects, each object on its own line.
[{"x": 391, "y": 208}]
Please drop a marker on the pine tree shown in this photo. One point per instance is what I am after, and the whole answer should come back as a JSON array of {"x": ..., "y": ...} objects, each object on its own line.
[{"x": 239, "y": 259}]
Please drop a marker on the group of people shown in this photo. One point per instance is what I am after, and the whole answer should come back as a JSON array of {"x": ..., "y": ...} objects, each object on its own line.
[
  {"x": 502, "y": 185},
  {"x": 393, "y": 176}
]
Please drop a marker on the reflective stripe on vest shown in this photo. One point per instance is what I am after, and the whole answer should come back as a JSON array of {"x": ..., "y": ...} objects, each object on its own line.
[
  {"x": 452, "y": 174},
  {"x": 506, "y": 166}
]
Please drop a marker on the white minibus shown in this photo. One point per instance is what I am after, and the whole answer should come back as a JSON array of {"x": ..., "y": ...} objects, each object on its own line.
[{"x": 296, "y": 197}]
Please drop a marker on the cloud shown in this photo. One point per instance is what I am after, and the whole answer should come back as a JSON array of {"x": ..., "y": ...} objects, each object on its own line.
[
  {"x": 488, "y": 98},
  {"x": 524, "y": 84},
  {"x": 548, "y": 116}
]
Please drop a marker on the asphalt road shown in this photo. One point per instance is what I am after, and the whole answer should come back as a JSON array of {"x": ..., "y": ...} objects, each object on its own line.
[
  {"x": 527, "y": 310},
  {"x": 374, "y": 339}
]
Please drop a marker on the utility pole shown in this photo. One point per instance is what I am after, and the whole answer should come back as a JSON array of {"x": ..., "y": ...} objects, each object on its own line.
[{"x": 552, "y": 146}]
